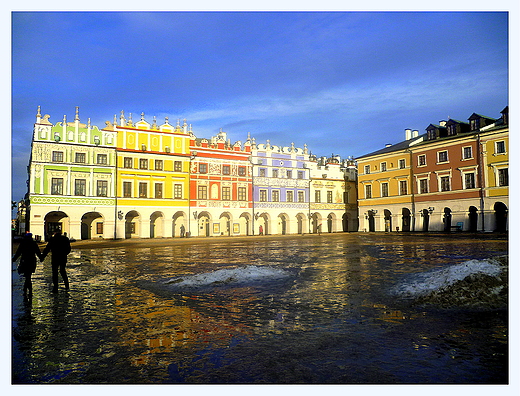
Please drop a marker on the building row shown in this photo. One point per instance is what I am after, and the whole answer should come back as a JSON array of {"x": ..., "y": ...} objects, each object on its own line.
[
  {"x": 149, "y": 180},
  {"x": 455, "y": 176}
]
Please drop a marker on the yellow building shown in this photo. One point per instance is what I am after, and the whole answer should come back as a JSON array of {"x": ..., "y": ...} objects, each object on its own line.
[
  {"x": 153, "y": 165},
  {"x": 494, "y": 143},
  {"x": 385, "y": 196}
]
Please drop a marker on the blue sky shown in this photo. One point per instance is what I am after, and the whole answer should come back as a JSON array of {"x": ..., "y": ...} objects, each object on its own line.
[{"x": 341, "y": 82}]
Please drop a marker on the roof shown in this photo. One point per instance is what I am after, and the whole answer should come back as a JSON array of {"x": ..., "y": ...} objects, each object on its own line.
[{"x": 394, "y": 147}]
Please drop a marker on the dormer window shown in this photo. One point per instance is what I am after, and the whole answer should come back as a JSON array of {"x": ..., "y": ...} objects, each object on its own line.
[
  {"x": 452, "y": 130},
  {"x": 474, "y": 124}
]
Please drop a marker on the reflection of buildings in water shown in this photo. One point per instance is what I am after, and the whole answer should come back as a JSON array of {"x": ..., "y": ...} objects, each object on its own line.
[{"x": 157, "y": 327}]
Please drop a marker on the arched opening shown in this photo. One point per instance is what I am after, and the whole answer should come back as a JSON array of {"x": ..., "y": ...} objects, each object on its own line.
[
  {"x": 371, "y": 221},
  {"x": 282, "y": 223},
  {"x": 388, "y": 220},
  {"x": 344, "y": 221},
  {"x": 92, "y": 225},
  {"x": 55, "y": 221},
  {"x": 244, "y": 224},
  {"x": 225, "y": 224},
  {"x": 156, "y": 225},
  {"x": 446, "y": 219},
  {"x": 473, "y": 219},
  {"x": 426, "y": 220},
  {"x": 204, "y": 221},
  {"x": 316, "y": 223},
  {"x": 500, "y": 217},
  {"x": 262, "y": 223},
  {"x": 406, "y": 219},
  {"x": 330, "y": 222},
  {"x": 179, "y": 225},
  {"x": 300, "y": 220},
  {"x": 132, "y": 224}
]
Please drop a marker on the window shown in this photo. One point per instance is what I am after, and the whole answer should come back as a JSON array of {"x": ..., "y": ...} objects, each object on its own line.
[
  {"x": 263, "y": 195},
  {"x": 467, "y": 153},
  {"x": 384, "y": 189},
  {"x": 289, "y": 174},
  {"x": 99, "y": 228},
  {"x": 503, "y": 177},
  {"x": 469, "y": 180},
  {"x": 177, "y": 191},
  {"x": 422, "y": 160},
  {"x": 57, "y": 186},
  {"x": 403, "y": 187},
  {"x": 289, "y": 196},
  {"x": 102, "y": 188},
  {"x": 300, "y": 174},
  {"x": 423, "y": 186},
  {"x": 158, "y": 190},
  {"x": 241, "y": 171},
  {"x": 159, "y": 165},
  {"x": 262, "y": 172},
  {"x": 367, "y": 169},
  {"x": 445, "y": 183},
  {"x": 500, "y": 147},
  {"x": 226, "y": 193},
  {"x": 317, "y": 196},
  {"x": 402, "y": 164},
  {"x": 275, "y": 172},
  {"x": 57, "y": 156},
  {"x": 102, "y": 159},
  {"x": 177, "y": 166},
  {"x": 80, "y": 187},
  {"x": 128, "y": 163},
  {"x": 368, "y": 191},
  {"x": 329, "y": 196},
  {"x": 452, "y": 130},
  {"x": 301, "y": 196},
  {"x": 442, "y": 156},
  {"x": 143, "y": 187},
  {"x": 226, "y": 169},
  {"x": 202, "y": 192},
  {"x": 203, "y": 168},
  {"x": 127, "y": 189},
  {"x": 242, "y": 193},
  {"x": 80, "y": 158},
  {"x": 275, "y": 194},
  {"x": 383, "y": 166},
  {"x": 143, "y": 163}
]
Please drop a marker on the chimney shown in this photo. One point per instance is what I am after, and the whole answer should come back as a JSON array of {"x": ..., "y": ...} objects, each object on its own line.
[
  {"x": 408, "y": 134},
  {"x": 415, "y": 133}
]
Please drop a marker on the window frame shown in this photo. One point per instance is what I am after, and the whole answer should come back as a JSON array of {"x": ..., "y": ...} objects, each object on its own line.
[
  {"x": 58, "y": 156},
  {"x": 101, "y": 188},
  {"x": 80, "y": 185}
]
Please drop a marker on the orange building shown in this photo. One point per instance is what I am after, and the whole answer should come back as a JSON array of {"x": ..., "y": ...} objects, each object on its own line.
[{"x": 452, "y": 178}]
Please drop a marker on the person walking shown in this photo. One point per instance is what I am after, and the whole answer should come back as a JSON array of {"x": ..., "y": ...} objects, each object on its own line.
[
  {"x": 59, "y": 246},
  {"x": 28, "y": 250}
]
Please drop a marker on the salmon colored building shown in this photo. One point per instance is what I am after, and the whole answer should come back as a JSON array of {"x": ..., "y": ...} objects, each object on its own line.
[{"x": 220, "y": 187}]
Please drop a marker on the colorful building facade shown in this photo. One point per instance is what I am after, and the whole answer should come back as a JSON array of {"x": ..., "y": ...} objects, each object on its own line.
[
  {"x": 71, "y": 184},
  {"x": 454, "y": 177},
  {"x": 145, "y": 180}
]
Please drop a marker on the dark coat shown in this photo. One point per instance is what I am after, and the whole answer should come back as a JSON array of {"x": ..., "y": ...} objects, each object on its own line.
[
  {"x": 28, "y": 250},
  {"x": 59, "y": 246}
]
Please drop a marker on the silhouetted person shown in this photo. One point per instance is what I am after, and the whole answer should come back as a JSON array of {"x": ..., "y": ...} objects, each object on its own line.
[
  {"x": 183, "y": 230},
  {"x": 28, "y": 250},
  {"x": 59, "y": 246}
]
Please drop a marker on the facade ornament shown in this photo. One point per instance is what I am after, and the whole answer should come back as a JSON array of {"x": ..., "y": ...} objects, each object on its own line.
[{"x": 76, "y": 118}]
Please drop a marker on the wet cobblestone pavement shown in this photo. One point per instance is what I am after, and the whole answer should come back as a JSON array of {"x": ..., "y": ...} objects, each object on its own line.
[{"x": 285, "y": 310}]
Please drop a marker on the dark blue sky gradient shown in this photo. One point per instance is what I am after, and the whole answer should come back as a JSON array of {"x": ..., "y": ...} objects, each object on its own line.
[{"x": 342, "y": 82}]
